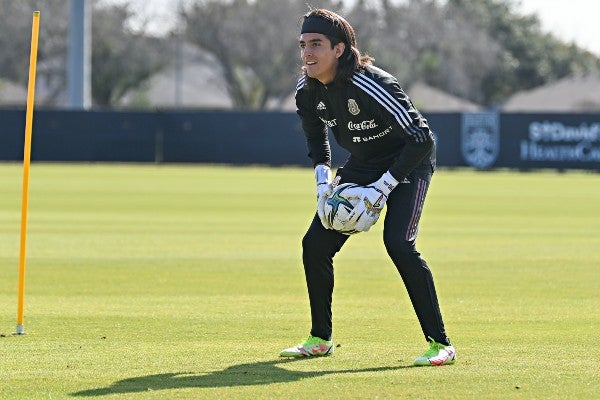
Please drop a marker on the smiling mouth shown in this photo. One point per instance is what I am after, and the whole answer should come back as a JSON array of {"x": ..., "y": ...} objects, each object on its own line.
[{"x": 310, "y": 62}]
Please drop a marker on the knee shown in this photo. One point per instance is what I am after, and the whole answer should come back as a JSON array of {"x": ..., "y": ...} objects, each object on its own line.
[
  {"x": 312, "y": 246},
  {"x": 399, "y": 248},
  {"x": 395, "y": 242},
  {"x": 321, "y": 244},
  {"x": 309, "y": 241}
]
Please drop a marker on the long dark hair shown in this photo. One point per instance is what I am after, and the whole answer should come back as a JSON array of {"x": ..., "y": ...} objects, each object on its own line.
[{"x": 351, "y": 59}]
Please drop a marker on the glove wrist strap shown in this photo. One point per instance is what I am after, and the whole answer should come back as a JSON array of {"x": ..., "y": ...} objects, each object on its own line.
[
  {"x": 322, "y": 174},
  {"x": 386, "y": 183}
]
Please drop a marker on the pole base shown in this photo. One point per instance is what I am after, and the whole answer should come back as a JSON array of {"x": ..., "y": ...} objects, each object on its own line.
[{"x": 20, "y": 330}]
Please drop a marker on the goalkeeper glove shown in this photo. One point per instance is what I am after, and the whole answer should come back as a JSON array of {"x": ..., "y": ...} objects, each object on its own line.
[
  {"x": 367, "y": 211},
  {"x": 324, "y": 190}
]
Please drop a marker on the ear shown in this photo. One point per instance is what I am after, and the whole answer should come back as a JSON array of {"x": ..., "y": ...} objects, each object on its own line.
[{"x": 339, "y": 49}]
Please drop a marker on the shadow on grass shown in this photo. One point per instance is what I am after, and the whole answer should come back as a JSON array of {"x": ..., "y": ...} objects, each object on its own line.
[{"x": 258, "y": 373}]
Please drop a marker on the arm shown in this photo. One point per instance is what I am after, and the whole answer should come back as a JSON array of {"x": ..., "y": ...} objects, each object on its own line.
[
  {"x": 415, "y": 131},
  {"x": 314, "y": 129},
  {"x": 419, "y": 144},
  {"x": 318, "y": 150}
]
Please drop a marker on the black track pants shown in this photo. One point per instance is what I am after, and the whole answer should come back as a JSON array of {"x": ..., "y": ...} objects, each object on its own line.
[{"x": 404, "y": 207}]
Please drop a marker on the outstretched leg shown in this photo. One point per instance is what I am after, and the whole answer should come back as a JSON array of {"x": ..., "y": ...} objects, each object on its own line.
[{"x": 400, "y": 231}]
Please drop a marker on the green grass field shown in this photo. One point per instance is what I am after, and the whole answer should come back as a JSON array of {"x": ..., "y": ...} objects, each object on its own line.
[{"x": 185, "y": 282}]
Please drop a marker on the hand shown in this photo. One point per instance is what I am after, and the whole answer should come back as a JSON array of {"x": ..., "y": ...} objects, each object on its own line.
[
  {"x": 324, "y": 190},
  {"x": 366, "y": 213}
]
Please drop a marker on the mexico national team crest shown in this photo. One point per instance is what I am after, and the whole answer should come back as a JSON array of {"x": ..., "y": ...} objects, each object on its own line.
[
  {"x": 353, "y": 107},
  {"x": 480, "y": 139}
]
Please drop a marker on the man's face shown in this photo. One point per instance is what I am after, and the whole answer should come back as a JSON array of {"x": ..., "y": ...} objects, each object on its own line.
[{"x": 319, "y": 59}]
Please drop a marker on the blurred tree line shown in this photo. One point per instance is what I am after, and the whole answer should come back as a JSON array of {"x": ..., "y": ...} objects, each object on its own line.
[
  {"x": 480, "y": 50},
  {"x": 122, "y": 58}
]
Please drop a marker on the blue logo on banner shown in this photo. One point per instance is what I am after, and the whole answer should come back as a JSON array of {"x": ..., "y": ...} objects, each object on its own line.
[{"x": 480, "y": 139}]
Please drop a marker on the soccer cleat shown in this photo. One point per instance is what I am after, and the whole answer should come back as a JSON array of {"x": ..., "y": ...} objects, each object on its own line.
[
  {"x": 438, "y": 354},
  {"x": 312, "y": 347}
]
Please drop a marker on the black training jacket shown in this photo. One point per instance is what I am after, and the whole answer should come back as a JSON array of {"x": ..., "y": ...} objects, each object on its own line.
[{"x": 371, "y": 117}]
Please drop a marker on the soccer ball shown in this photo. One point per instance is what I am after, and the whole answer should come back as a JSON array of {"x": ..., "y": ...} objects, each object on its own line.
[{"x": 339, "y": 205}]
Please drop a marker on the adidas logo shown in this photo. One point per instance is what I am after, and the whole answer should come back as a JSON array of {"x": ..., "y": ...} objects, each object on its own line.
[{"x": 321, "y": 106}]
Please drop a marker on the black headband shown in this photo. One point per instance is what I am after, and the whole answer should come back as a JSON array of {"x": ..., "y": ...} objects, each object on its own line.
[{"x": 318, "y": 24}]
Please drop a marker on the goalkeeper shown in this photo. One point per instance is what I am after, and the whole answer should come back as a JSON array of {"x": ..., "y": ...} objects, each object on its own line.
[{"x": 392, "y": 154}]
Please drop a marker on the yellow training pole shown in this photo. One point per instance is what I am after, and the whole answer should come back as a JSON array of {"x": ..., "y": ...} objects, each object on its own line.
[{"x": 35, "y": 29}]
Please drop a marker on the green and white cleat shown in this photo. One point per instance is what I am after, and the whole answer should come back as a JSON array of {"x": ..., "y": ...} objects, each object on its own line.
[
  {"x": 438, "y": 354},
  {"x": 312, "y": 347}
]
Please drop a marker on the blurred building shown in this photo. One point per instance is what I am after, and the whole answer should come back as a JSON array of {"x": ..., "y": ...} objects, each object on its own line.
[
  {"x": 196, "y": 81},
  {"x": 572, "y": 94},
  {"x": 12, "y": 94},
  {"x": 430, "y": 99}
]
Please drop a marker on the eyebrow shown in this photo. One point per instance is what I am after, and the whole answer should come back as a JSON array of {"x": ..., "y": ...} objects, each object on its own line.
[{"x": 311, "y": 40}]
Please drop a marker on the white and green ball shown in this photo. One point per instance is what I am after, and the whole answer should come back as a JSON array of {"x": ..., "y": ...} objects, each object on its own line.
[{"x": 340, "y": 204}]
